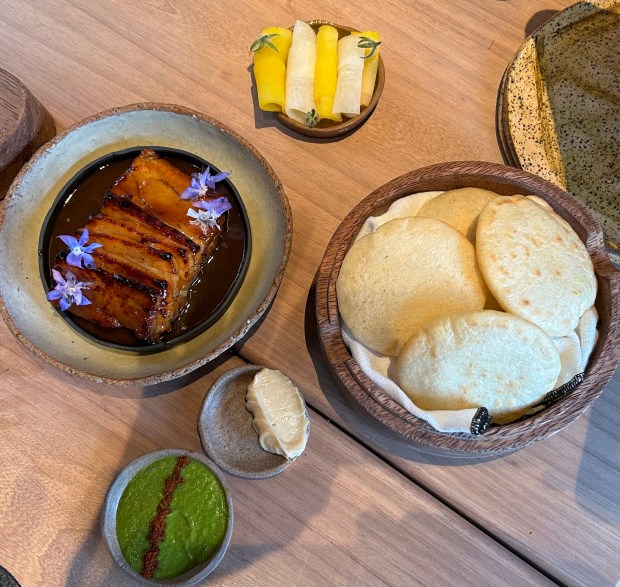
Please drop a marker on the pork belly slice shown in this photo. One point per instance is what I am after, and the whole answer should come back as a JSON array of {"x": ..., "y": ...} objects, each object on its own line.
[
  {"x": 156, "y": 185},
  {"x": 117, "y": 301},
  {"x": 121, "y": 208},
  {"x": 182, "y": 257},
  {"x": 172, "y": 303},
  {"x": 150, "y": 252},
  {"x": 141, "y": 257}
]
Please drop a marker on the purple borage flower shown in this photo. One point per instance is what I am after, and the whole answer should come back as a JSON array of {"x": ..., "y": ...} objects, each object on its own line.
[
  {"x": 208, "y": 213},
  {"x": 79, "y": 253},
  {"x": 201, "y": 183},
  {"x": 68, "y": 291}
]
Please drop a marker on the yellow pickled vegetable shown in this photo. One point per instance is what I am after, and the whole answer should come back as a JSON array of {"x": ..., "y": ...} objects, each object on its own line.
[
  {"x": 326, "y": 73},
  {"x": 371, "y": 64},
  {"x": 270, "y": 67}
]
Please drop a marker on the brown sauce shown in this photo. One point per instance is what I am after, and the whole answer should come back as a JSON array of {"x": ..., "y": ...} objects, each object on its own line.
[{"x": 218, "y": 279}]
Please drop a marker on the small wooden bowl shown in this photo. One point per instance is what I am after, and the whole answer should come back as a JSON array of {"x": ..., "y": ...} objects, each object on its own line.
[
  {"x": 499, "y": 439},
  {"x": 327, "y": 129}
]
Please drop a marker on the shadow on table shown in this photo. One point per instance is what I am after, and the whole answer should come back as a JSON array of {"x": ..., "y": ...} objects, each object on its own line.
[
  {"x": 92, "y": 565},
  {"x": 538, "y": 19},
  {"x": 263, "y": 119},
  {"x": 90, "y": 561},
  {"x": 359, "y": 424},
  {"x": 597, "y": 488}
]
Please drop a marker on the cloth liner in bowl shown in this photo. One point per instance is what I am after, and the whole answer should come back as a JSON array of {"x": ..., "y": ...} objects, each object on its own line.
[{"x": 574, "y": 350}]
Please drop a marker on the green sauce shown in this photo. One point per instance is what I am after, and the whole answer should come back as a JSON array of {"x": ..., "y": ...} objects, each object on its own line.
[{"x": 194, "y": 528}]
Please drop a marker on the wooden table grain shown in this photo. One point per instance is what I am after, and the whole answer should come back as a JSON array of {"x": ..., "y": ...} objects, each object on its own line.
[{"x": 359, "y": 507}]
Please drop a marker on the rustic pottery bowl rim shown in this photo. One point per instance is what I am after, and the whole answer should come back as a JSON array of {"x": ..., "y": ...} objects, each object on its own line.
[{"x": 507, "y": 144}]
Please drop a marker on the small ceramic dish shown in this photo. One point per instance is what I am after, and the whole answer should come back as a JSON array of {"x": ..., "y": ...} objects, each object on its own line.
[
  {"x": 496, "y": 440},
  {"x": 327, "y": 129},
  {"x": 108, "y": 521},
  {"x": 35, "y": 321},
  {"x": 226, "y": 431}
]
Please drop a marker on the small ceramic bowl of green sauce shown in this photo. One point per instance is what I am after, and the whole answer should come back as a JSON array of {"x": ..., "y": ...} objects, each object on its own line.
[{"x": 168, "y": 518}]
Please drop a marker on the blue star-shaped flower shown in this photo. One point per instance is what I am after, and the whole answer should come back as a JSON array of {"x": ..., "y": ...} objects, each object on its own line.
[
  {"x": 68, "y": 291},
  {"x": 208, "y": 213},
  {"x": 202, "y": 183},
  {"x": 79, "y": 253}
]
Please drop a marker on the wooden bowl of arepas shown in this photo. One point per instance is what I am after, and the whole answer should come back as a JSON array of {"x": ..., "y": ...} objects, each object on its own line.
[{"x": 497, "y": 439}]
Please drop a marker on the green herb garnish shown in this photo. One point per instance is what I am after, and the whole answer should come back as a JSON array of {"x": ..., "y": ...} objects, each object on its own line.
[
  {"x": 368, "y": 43},
  {"x": 312, "y": 118},
  {"x": 264, "y": 40}
]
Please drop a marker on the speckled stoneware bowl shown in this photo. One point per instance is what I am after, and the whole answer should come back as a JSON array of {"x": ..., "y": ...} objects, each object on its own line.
[
  {"x": 37, "y": 324},
  {"x": 226, "y": 431},
  {"x": 108, "y": 518},
  {"x": 559, "y": 109},
  {"x": 328, "y": 129},
  {"x": 497, "y": 440},
  {"x": 6, "y": 579}
]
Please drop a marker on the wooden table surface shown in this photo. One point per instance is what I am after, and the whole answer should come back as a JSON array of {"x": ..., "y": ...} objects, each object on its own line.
[{"x": 360, "y": 507}]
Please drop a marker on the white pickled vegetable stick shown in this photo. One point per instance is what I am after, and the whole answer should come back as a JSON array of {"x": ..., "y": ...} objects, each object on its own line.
[
  {"x": 300, "y": 67},
  {"x": 350, "y": 68}
]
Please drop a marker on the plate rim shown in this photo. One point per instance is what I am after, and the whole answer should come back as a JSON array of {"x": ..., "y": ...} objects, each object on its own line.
[{"x": 235, "y": 336}]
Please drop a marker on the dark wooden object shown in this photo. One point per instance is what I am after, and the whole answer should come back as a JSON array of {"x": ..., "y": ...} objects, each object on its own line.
[
  {"x": 505, "y": 181},
  {"x": 25, "y": 125}
]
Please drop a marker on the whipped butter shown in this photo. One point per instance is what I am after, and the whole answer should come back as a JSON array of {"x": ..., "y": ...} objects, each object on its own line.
[{"x": 279, "y": 412}]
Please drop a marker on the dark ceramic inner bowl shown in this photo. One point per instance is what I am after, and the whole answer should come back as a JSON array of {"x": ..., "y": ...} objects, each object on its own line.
[{"x": 217, "y": 283}]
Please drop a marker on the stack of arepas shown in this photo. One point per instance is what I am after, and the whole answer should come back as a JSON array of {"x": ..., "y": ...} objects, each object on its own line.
[{"x": 468, "y": 295}]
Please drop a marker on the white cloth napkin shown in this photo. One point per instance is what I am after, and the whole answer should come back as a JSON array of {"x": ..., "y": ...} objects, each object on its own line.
[{"x": 574, "y": 349}]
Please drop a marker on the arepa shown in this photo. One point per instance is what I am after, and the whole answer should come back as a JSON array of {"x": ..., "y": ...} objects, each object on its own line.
[
  {"x": 491, "y": 359},
  {"x": 534, "y": 264},
  {"x": 459, "y": 208},
  {"x": 405, "y": 274}
]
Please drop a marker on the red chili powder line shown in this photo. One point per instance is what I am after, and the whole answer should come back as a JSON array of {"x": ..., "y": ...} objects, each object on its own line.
[{"x": 158, "y": 525}]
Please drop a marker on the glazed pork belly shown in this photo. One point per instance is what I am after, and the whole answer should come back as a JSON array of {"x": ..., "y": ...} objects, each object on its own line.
[
  {"x": 131, "y": 300},
  {"x": 150, "y": 253}
]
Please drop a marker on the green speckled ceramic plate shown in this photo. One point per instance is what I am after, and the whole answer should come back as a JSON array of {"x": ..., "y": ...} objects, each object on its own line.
[
  {"x": 36, "y": 323},
  {"x": 559, "y": 109}
]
